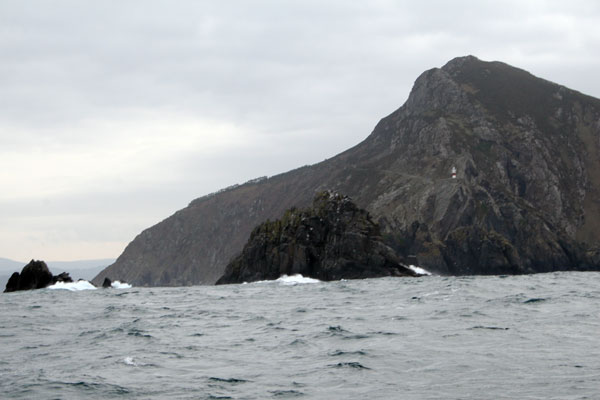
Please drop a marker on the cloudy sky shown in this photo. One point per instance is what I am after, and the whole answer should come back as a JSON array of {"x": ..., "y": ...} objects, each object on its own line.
[{"x": 115, "y": 114}]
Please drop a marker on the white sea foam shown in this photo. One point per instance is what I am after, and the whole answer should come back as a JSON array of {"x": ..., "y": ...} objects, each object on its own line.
[
  {"x": 419, "y": 270},
  {"x": 130, "y": 361},
  {"x": 170, "y": 338},
  {"x": 73, "y": 286},
  {"x": 295, "y": 280},
  {"x": 85, "y": 285},
  {"x": 120, "y": 285},
  {"x": 289, "y": 280}
]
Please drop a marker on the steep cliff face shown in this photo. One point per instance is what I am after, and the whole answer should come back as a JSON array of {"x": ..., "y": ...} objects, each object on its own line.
[
  {"x": 526, "y": 197},
  {"x": 332, "y": 240}
]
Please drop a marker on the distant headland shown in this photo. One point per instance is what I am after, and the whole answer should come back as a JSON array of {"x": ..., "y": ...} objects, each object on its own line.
[{"x": 486, "y": 169}]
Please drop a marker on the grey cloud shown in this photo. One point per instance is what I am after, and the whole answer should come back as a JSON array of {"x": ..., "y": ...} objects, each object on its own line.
[{"x": 291, "y": 74}]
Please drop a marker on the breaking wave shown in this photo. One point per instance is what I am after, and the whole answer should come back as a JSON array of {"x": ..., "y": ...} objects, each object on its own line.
[
  {"x": 295, "y": 279},
  {"x": 120, "y": 285},
  {"x": 73, "y": 286},
  {"x": 419, "y": 270},
  {"x": 290, "y": 280},
  {"x": 85, "y": 285},
  {"x": 130, "y": 361},
  {"x": 386, "y": 338}
]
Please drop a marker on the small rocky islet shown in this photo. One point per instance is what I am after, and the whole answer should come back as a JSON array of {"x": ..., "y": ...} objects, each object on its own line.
[
  {"x": 332, "y": 240},
  {"x": 37, "y": 275}
]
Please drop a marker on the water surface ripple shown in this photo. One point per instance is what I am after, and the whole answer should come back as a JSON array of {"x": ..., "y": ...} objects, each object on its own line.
[{"x": 518, "y": 337}]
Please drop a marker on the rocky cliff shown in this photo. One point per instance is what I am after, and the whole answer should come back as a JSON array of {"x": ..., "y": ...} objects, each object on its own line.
[
  {"x": 332, "y": 240},
  {"x": 526, "y": 197}
]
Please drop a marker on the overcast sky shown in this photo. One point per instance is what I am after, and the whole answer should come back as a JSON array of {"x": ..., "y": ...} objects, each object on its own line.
[{"x": 115, "y": 114}]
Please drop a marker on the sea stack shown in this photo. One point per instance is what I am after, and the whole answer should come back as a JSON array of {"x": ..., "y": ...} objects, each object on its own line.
[
  {"x": 332, "y": 240},
  {"x": 34, "y": 275}
]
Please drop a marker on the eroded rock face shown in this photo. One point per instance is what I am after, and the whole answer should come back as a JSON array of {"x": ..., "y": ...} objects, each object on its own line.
[
  {"x": 526, "y": 197},
  {"x": 332, "y": 240}
]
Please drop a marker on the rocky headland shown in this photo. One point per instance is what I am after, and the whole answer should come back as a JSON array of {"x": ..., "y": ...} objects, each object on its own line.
[
  {"x": 526, "y": 197},
  {"x": 332, "y": 240}
]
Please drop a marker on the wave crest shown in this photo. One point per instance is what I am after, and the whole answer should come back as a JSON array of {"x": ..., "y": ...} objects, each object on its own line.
[
  {"x": 419, "y": 270},
  {"x": 73, "y": 286},
  {"x": 86, "y": 285},
  {"x": 290, "y": 280},
  {"x": 120, "y": 285}
]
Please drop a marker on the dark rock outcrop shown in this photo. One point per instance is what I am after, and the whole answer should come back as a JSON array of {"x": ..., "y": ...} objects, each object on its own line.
[
  {"x": 333, "y": 240},
  {"x": 526, "y": 197},
  {"x": 62, "y": 277},
  {"x": 35, "y": 275},
  {"x": 107, "y": 283},
  {"x": 13, "y": 283}
]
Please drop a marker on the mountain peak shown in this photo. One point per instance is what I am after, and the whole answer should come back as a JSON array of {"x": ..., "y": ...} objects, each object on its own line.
[
  {"x": 458, "y": 63},
  {"x": 504, "y": 91},
  {"x": 469, "y": 65}
]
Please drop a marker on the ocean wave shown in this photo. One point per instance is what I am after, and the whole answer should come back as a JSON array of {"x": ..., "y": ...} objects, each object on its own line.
[
  {"x": 419, "y": 270},
  {"x": 85, "y": 285},
  {"x": 227, "y": 380},
  {"x": 352, "y": 364},
  {"x": 130, "y": 361},
  {"x": 120, "y": 285},
  {"x": 534, "y": 300},
  {"x": 227, "y": 332},
  {"x": 73, "y": 286},
  {"x": 295, "y": 279},
  {"x": 290, "y": 280}
]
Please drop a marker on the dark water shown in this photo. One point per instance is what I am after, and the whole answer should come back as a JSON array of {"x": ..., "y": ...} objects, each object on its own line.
[{"x": 526, "y": 337}]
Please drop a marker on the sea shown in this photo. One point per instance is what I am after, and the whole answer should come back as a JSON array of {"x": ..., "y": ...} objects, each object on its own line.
[{"x": 432, "y": 337}]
